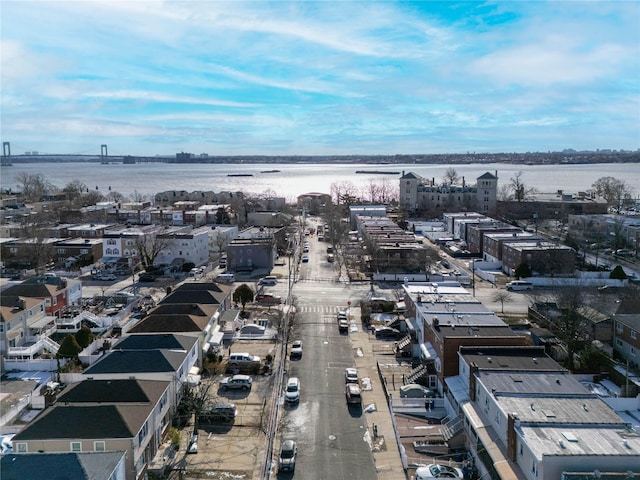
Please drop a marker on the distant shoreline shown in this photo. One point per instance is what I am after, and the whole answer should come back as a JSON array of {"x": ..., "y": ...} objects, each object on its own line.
[{"x": 550, "y": 158}]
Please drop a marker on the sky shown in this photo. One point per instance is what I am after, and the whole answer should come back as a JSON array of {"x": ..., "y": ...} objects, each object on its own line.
[{"x": 319, "y": 78}]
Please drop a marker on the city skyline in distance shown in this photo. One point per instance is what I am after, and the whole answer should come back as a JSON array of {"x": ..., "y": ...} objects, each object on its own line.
[{"x": 319, "y": 78}]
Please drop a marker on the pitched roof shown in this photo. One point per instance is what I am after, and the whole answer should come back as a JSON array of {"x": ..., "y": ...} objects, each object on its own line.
[
  {"x": 60, "y": 466},
  {"x": 33, "y": 290},
  {"x": 208, "y": 286},
  {"x": 487, "y": 176},
  {"x": 8, "y": 302},
  {"x": 114, "y": 391},
  {"x": 628, "y": 306},
  {"x": 170, "y": 324},
  {"x": 137, "y": 361},
  {"x": 81, "y": 422},
  {"x": 197, "y": 296},
  {"x": 410, "y": 175},
  {"x": 155, "y": 341}
]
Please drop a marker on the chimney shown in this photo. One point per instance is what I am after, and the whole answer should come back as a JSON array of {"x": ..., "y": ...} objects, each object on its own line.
[
  {"x": 512, "y": 422},
  {"x": 463, "y": 182},
  {"x": 473, "y": 370}
]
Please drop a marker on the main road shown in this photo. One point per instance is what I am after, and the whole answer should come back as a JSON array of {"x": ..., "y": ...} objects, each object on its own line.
[{"x": 331, "y": 437}]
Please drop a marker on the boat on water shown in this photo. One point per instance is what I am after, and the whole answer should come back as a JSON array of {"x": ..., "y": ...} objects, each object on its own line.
[
  {"x": 270, "y": 171},
  {"x": 240, "y": 175},
  {"x": 378, "y": 172}
]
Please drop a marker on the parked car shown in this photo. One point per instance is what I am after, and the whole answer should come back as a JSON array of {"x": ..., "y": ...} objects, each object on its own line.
[
  {"x": 268, "y": 299},
  {"x": 387, "y": 333},
  {"x": 268, "y": 281},
  {"x": 350, "y": 375},
  {"x": 193, "y": 444},
  {"x": 353, "y": 394},
  {"x": 305, "y": 258},
  {"x": 430, "y": 472},
  {"x": 287, "y": 460},
  {"x": 243, "y": 358},
  {"x": 343, "y": 326},
  {"x": 236, "y": 382},
  {"x": 517, "y": 285},
  {"x": 296, "y": 349},
  {"x": 220, "y": 412},
  {"x": 415, "y": 390},
  {"x": 292, "y": 390},
  {"x": 106, "y": 277},
  {"x": 253, "y": 329}
]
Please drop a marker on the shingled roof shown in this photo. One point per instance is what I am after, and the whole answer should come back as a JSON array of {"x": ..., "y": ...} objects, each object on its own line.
[{"x": 114, "y": 391}]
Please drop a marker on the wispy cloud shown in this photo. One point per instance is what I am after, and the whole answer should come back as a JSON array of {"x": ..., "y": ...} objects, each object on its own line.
[{"x": 320, "y": 77}]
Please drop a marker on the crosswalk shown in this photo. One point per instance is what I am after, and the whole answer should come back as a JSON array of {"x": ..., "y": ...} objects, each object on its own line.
[{"x": 322, "y": 309}]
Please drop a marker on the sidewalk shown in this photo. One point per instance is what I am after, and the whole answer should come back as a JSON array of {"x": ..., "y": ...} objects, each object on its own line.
[{"x": 384, "y": 447}]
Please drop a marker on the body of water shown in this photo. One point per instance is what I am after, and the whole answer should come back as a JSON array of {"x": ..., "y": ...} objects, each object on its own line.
[{"x": 295, "y": 179}]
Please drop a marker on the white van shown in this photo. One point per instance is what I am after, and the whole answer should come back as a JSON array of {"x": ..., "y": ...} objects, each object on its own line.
[
  {"x": 268, "y": 281},
  {"x": 519, "y": 285},
  {"x": 226, "y": 278}
]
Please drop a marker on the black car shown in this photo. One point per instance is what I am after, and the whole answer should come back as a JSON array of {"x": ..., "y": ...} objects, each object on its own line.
[{"x": 388, "y": 333}]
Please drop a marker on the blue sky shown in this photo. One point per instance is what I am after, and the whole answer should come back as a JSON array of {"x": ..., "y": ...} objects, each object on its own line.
[{"x": 316, "y": 78}]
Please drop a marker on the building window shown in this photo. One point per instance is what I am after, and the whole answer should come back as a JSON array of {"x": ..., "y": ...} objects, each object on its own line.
[
  {"x": 632, "y": 351},
  {"x": 143, "y": 432},
  {"x": 76, "y": 446},
  {"x": 1, "y": 327},
  {"x": 634, "y": 334},
  {"x": 20, "y": 447},
  {"x": 99, "y": 446},
  {"x": 619, "y": 327}
]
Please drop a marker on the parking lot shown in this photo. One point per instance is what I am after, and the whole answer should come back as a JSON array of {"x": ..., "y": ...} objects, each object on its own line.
[{"x": 232, "y": 449}]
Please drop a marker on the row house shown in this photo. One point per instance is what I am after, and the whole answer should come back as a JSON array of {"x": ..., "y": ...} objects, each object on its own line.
[
  {"x": 494, "y": 241},
  {"x": 88, "y": 230},
  {"x": 68, "y": 251},
  {"x": 445, "y": 317},
  {"x": 477, "y": 232},
  {"x": 254, "y": 248},
  {"x": 56, "y": 292},
  {"x": 542, "y": 257},
  {"x": 163, "y": 357},
  {"x": 193, "y": 309},
  {"x": 79, "y": 466},
  {"x": 114, "y": 415},
  {"x": 54, "y": 252},
  {"x": 24, "y": 328},
  {"x": 123, "y": 241},
  {"x": 170, "y": 197},
  {"x": 525, "y": 417},
  {"x": 191, "y": 245},
  {"x": 627, "y": 331}
]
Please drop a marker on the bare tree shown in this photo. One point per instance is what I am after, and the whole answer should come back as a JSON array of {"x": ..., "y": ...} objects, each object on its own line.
[
  {"x": 149, "y": 247},
  {"x": 74, "y": 190},
  {"x": 502, "y": 296},
  {"x": 34, "y": 186},
  {"x": 615, "y": 192},
  {"x": 520, "y": 191},
  {"x": 450, "y": 176}
]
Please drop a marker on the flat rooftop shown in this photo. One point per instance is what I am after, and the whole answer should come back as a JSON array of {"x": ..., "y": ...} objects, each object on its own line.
[
  {"x": 552, "y": 411},
  {"x": 541, "y": 383}
]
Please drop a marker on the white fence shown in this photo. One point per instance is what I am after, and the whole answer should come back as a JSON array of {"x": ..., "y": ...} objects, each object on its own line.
[{"x": 35, "y": 365}]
